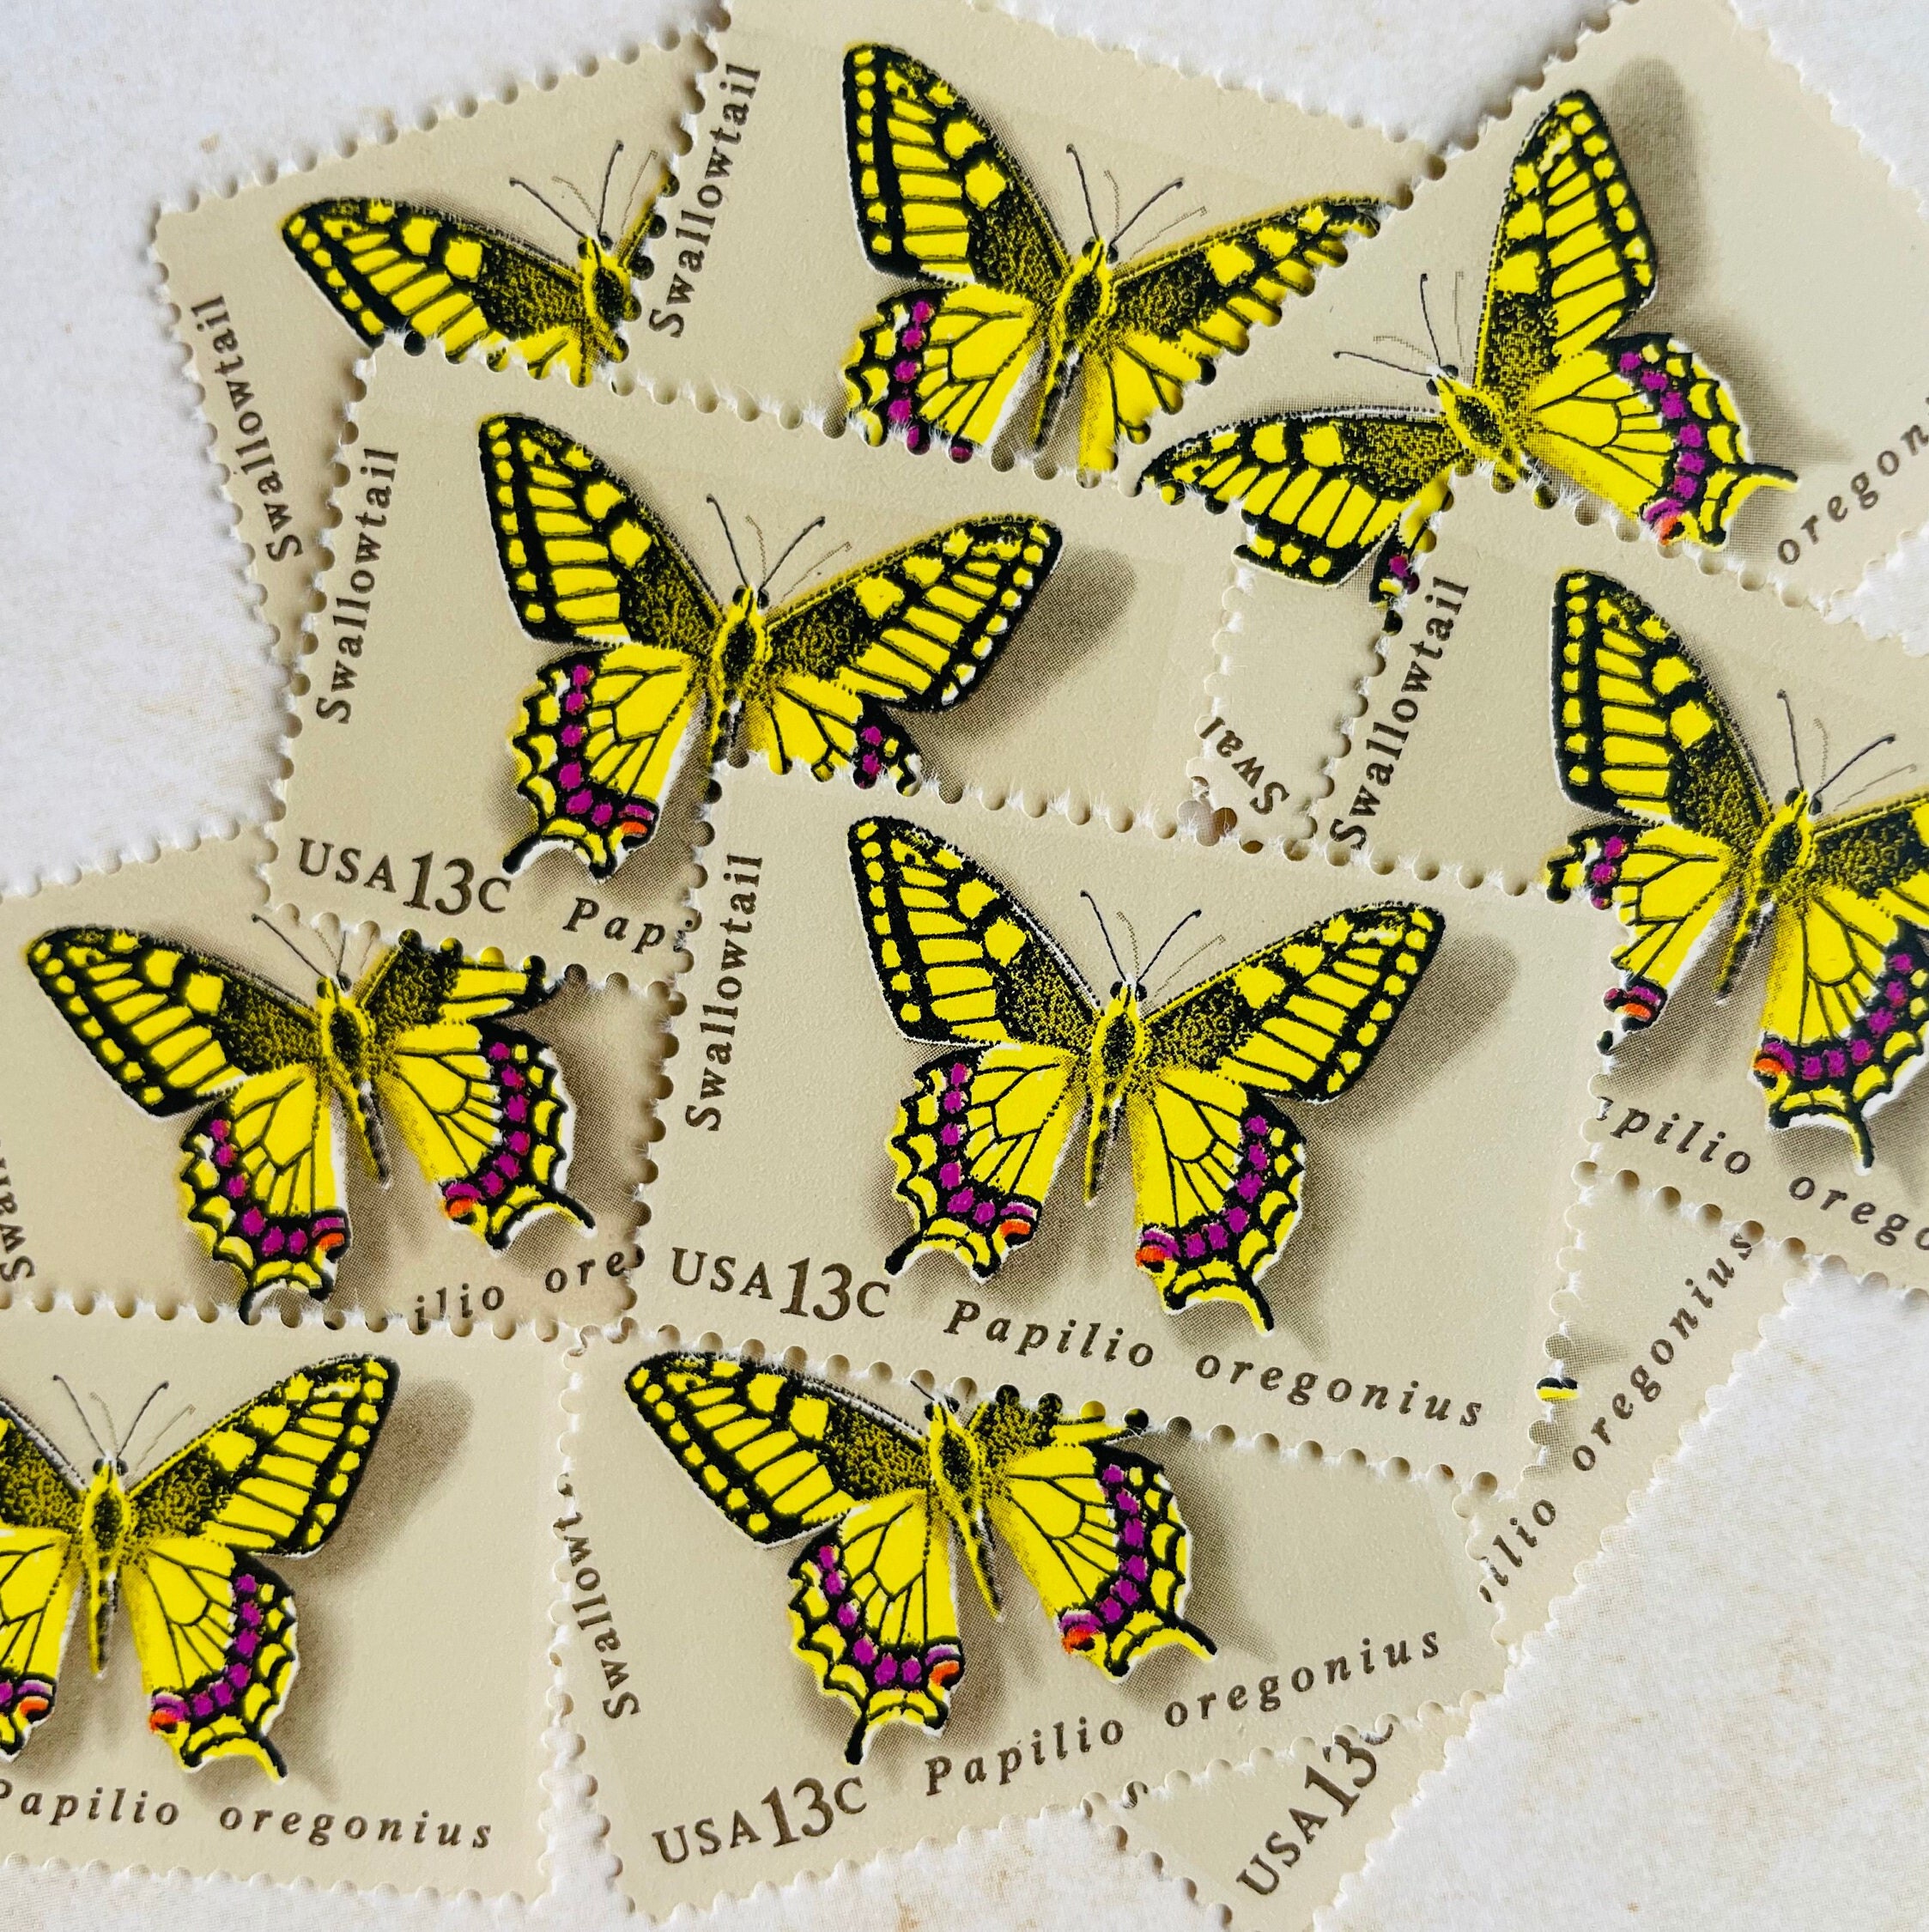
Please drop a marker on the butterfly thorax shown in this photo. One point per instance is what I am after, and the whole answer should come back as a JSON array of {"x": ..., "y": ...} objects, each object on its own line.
[
  {"x": 738, "y": 655},
  {"x": 1085, "y": 301},
  {"x": 608, "y": 299},
  {"x": 346, "y": 1037},
  {"x": 1114, "y": 1061},
  {"x": 1783, "y": 851},
  {"x": 957, "y": 1474},
  {"x": 106, "y": 1531},
  {"x": 1483, "y": 421}
]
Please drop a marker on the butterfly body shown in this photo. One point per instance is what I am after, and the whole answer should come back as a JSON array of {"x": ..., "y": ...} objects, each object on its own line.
[
  {"x": 1093, "y": 1525},
  {"x": 657, "y": 663},
  {"x": 1840, "y": 902},
  {"x": 998, "y": 299},
  {"x": 1554, "y": 394},
  {"x": 1199, "y": 1082},
  {"x": 214, "y": 1628}
]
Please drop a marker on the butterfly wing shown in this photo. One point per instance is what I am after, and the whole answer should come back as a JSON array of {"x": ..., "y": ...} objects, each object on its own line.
[
  {"x": 587, "y": 563},
  {"x": 214, "y": 1627},
  {"x": 479, "y": 1105},
  {"x": 40, "y": 1571},
  {"x": 1321, "y": 493},
  {"x": 1096, "y": 1527},
  {"x": 939, "y": 200},
  {"x": 389, "y": 265},
  {"x": 1639, "y": 733},
  {"x": 1177, "y": 311},
  {"x": 963, "y": 964},
  {"x": 783, "y": 1455},
  {"x": 1215, "y": 1159},
  {"x": 177, "y": 1028},
  {"x": 1847, "y": 1004},
  {"x": 917, "y": 629}
]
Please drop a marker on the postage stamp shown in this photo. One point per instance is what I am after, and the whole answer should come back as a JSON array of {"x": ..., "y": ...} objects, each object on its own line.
[
  {"x": 568, "y": 602},
  {"x": 1012, "y": 238},
  {"x": 1597, "y": 297},
  {"x": 811, "y": 1663},
  {"x": 1271, "y": 1840},
  {"x": 799, "y": 1108},
  {"x": 460, "y": 234},
  {"x": 222, "y": 1482},
  {"x": 201, "y": 1107},
  {"x": 1662, "y": 1297}
]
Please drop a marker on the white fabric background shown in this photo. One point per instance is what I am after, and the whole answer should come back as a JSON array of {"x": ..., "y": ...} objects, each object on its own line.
[{"x": 1724, "y": 1729}]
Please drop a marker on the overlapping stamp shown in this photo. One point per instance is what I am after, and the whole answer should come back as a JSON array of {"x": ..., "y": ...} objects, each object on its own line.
[
  {"x": 1013, "y": 238},
  {"x": 393, "y": 1485},
  {"x": 1661, "y": 1298},
  {"x": 462, "y": 234},
  {"x": 1597, "y": 297},
  {"x": 566, "y": 603},
  {"x": 1154, "y": 1555},
  {"x": 1396, "y": 1072},
  {"x": 201, "y": 1104}
]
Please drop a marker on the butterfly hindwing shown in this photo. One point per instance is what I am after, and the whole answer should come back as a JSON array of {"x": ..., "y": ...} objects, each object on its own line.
[
  {"x": 587, "y": 563},
  {"x": 39, "y": 1521},
  {"x": 1215, "y": 1159},
  {"x": 1095, "y": 1527}
]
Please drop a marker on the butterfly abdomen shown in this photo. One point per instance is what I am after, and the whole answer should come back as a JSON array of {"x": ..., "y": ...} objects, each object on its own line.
[{"x": 106, "y": 1526}]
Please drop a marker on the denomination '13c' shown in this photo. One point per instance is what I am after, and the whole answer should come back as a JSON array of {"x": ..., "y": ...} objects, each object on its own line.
[{"x": 686, "y": 1270}]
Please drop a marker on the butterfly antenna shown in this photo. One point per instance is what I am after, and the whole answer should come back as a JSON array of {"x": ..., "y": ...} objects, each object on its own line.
[
  {"x": 762, "y": 557},
  {"x": 1158, "y": 194},
  {"x": 815, "y": 523},
  {"x": 743, "y": 576},
  {"x": 134, "y": 1426},
  {"x": 603, "y": 199},
  {"x": 1459, "y": 338},
  {"x": 1400, "y": 342},
  {"x": 583, "y": 201},
  {"x": 1360, "y": 355},
  {"x": 1888, "y": 738},
  {"x": 259, "y": 920},
  {"x": 1794, "y": 739},
  {"x": 1861, "y": 790},
  {"x": 1116, "y": 202},
  {"x": 1425, "y": 316},
  {"x": 1084, "y": 188},
  {"x": 1177, "y": 221},
  {"x": 341, "y": 958},
  {"x": 162, "y": 1433},
  {"x": 804, "y": 577},
  {"x": 82, "y": 1413},
  {"x": 632, "y": 200},
  {"x": 515, "y": 182},
  {"x": 1131, "y": 939},
  {"x": 1103, "y": 934},
  {"x": 1205, "y": 946},
  {"x": 1197, "y": 912}
]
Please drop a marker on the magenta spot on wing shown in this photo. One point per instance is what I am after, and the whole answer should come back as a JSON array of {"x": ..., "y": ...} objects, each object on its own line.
[
  {"x": 904, "y": 371},
  {"x": 274, "y": 1241},
  {"x": 226, "y": 1155},
  {"x": 1672, "y": 407},
  {"x": 1249, "y": 1186},
  {"x": 1862, "y": 1052},
  {"x": 1238, "y": 1219},
  {"x": 603, "y": 813},
  {"x": 950, "y": 1133},
  {"x": 512, "y": 1078},
  {"x": 886, "y": 1670},
  {"x": 1689, "y": 435},
  {"x": 949, "y": 1174},
  {"x": 1111, "y": 1474},
  {"x": 1132, "y": 1534},
  {"x": 1811, "y": 1067},
  {"x": 863, "y": 1651},
  {"x": 577, "y": 802},
  {"x": 202, "y": 1704},
  {"x": 498, "y": 1050},
  {"x": 1136, "y": 1566},
  {"x": 570, "y": 773},
  {"x": 960, "y": 1071},
  {"x": 920, "y": 310},
  {"x": 953, "y": 1102},
  {"x": 847, "y": 1614},
  {"x": 1195, "y": 1247},
  {"x": 1126, "y": 1503},
  {"x": 245, "y": 1644},
  {"x": 575, "y": 703},
  {"x": 516, "y": 1108},
  {"x": 519, "y": 1143},
  {"x": 572, "y": 735},
  {"x": 1126, "y": 1593},
  {"x": 912, "y": 337},
  {"x": 899, "y": 408},
  {"x": 245, "y": 1585},
  {"x": 1630, "y": 362},
  {"x": 298, "y": 1241},
  {"x": 218, "y": 1128},
  {"x": 1691, "y": 463},
  {"x": 252, "y": 1222},
  {"x": 491, "y": 1185},
  {"x": 250, "y": 1611},
  {"x": 984, "y": 1213},
  {"x": 959, "y": 1202},
  {"x": 579, "y": 675},
  {"x": 1214, "y": 1236},
  {"x": 917, "y": 438},
  {"x": 236, "y": 1186},
  {"x": 960, "y": 452},
  {"x": 1880, "y": 1022},
  {"x": 1256, "y": 1156},
  {"x": 1110, "y": 1610},
  {"x": 1654, "y": 379},
  {"x": 911, "y": 1670}
]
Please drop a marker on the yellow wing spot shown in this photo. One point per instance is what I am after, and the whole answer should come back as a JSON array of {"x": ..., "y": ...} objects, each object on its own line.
[
  {"x": 985, "y": 183},
  {"x": 1671, "y": 672},
  {"x": 1228, "y": 261},
  {"x": 629, "y": 542},
  {"x": 1519, "y": 275},
  {"x": 1258, "y": 986},
  {"x": 271, "y": 1418},
  {"x": 809, "y": 1417},
  {"x": 765, "y": 1392},
  {"x": 1304, "y": 958},
  {"x": 1689, "y": 723},
  {"x": 974, "y": 895},
  {"x": 910, "y": 1014},
  {"x": 961, "y": 136},
  {"x": 463, "y": 258},
  {"x": 878, "y": 595},
  {"x": 418, "y": 233},
  {"x": 1004, "y": 940},
  {"x": 757, "y": 1524},
  {"x": 715, "y": 1480},
  {"x": 159, "y": 968},
  {"x": 601, "y": 497},
  {"x": 229, "y": 1448}
]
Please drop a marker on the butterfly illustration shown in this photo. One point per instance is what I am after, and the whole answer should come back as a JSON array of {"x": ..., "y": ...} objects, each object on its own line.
[
  {"x": 1096, "y": 1527},
  {"x": 418, "y": 1040},
  {"x": 939, "y": 199},
  {"x": 588, "y": 564},
  {"x": 213, "y": 1626},
  {"x": 392, "y": 267},
  {"x": 1216, "y": 1160},
  {"x": 1844, "y": 901},
  {"x": 1556, "y": 395}
]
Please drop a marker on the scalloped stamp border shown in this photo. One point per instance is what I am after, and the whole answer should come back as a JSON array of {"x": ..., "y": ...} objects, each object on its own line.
[
  {"x": 772, "y": 1211},
  {"x": 403, "y": 798},
  {"x": 273, "y": 360},
  {"x": 743, "y": 1781},
  {"x": 401, "y": 1770},
  {"x": 1739, "y": 170},
  {"x": 92, "y": 1202}
]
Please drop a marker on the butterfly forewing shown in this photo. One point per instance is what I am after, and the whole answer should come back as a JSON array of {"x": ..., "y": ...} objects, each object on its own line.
[{"x": 40, "y": 1520}]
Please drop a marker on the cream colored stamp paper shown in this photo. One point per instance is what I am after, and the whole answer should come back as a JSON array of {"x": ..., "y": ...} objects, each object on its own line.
[
  {"x": 1103, "y": 1544},
  {"x": 193, "y": 1099},
  {"x": 1244, "y": 1200},
  {"x": 519, "y": 672},
  {"x": 387, "y": 1491},
  {"x": 277, "y": 289},
  {"x": 1600, "y": 295},
  {"x": 1661, "y": 1299},
  {"x": 926, "y": 209},
  {"x": 1271, "y": 1841}
]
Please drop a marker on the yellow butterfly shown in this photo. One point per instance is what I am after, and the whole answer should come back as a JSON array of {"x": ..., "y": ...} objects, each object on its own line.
[
  {"x": 587, "y": 563},
  {"x": 392, "y": 267},
  {"x": 938, "y": 198},
  {"x": 1638, "y": 732},
  {"x": 479, "y": 1105},
  {"x": 1095, "y": 1527},
  {"x": 1639, "y": 420},
  {"x": 1216, "y": 1160},
  {"x": 213, "y": 1626}
]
